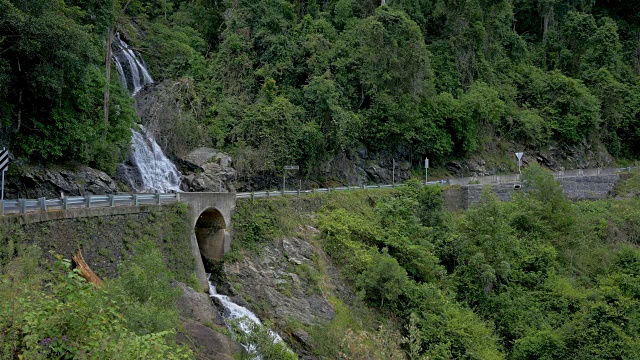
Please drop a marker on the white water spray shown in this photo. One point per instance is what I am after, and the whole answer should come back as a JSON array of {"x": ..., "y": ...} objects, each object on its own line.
[
  {"x": 158, "y": 173},
  {"x": 247, "y": 319},
  {"x": 130, "y": 65}
]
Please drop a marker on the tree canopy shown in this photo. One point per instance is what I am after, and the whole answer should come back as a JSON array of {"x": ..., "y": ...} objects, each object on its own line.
[{"x": 426, "y": 77}]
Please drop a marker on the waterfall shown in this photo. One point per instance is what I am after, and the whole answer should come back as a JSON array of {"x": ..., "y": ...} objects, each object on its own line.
[
  {"x": 130, "y": 65},
  {"x": 151, "y": 170},
  {"x": 246, "y": 318},
  {"x": 156, "y": 171}
]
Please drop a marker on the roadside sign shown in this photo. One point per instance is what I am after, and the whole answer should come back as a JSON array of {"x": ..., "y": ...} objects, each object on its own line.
[
  {"x": 4, "y": 163},
  {"x": 4, "y": 159},
  {"x": 519, "y": 156}
]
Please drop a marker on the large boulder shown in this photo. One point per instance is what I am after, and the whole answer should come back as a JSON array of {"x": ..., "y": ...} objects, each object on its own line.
[
  {"x": 207, "y": 170},
  {"x": 203, "y": 326},
  {"x": 197, "y": 306},
  {"x": 209, "y": 344}
]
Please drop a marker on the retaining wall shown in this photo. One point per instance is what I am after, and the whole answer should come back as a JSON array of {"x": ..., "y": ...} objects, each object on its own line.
[{"x": 587, "y": 187}]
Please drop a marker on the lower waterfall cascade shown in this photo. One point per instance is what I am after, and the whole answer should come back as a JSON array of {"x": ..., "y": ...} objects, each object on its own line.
[
  {"x": 246, "y": 318},
  {"x": 157, "y": 172}
]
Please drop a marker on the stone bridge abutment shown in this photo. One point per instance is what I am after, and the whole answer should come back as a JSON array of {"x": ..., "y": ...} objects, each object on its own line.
[{"x": 210, "y": 218}]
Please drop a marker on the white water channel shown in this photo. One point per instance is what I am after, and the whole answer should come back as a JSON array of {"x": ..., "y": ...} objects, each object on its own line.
[
  {"x": 158, "y": 173},
  {"x": 246, "y": 319}
]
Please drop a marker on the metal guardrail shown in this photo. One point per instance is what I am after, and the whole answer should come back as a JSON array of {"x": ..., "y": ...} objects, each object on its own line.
[
  {"x": 24, "y": 206},
  {"x": 262, "y": 194},
  {"x": 481, "y": 180}
]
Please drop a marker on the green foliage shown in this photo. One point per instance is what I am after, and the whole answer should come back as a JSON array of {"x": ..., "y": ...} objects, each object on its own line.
[
  {"x": 261, "y": 341},
  {"x": 55, "y": 313},
  {"x": 538, "y": 277},
  {"x": 54, "y": 108},
  {"x": 143, "y": 284},
  {"x": 301, "y": 82}
]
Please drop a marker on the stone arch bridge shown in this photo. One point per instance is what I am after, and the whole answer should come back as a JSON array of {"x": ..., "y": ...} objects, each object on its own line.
[{"x": 210, "y": 219}]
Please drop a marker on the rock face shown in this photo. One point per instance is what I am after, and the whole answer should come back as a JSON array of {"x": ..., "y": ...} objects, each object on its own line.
[
  {"x": 207, "y": 170},
  {"x": 35, "y": 182},
  {"x": 209, "y": 344},
  {"x": 359, "y": 167},
  {"x": 581, "y": 156},
  {"x": 197, "y": 310},
  {"x": 280, "y": 280},
  {"x": 197, "y": 306}
]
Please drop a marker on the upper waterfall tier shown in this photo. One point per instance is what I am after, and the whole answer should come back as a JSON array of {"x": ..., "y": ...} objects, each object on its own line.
[{"x": 130, "y": 66}]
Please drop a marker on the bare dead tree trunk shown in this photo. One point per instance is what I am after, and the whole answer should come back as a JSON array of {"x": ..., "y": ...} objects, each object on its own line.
[
  {"x": 383, "y": 2},
  {"x": 86, "y": 271}
]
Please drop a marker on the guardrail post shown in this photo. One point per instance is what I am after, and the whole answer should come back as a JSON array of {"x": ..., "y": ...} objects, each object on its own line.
[
  {"x": 252, "y": 196},
  {"x": 379, "y": 186},
  {"x": 158, "y": 198},
  {"x": 65, "y": 203},
  {"x": 298, "y": 191},
  {"x": 135, "y": 199},
  {"x": 267, "y": 193},
  {"x": 87, "y": 201},
  {"x": 43, "y": 204},
  {"x": 23, "y": 206},
  {"x": 112, "y": 201}
]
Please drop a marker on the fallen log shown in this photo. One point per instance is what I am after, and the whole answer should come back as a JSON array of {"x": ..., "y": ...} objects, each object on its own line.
[{"x": 86, "y": 271}]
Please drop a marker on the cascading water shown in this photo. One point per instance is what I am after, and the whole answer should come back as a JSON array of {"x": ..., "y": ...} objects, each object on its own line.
[
  {"x": 233, "y": 311},
  {"x": 130, "y": 66},
  {"x": 157, "y": 172},
  {"x": 151, "y": 170}
]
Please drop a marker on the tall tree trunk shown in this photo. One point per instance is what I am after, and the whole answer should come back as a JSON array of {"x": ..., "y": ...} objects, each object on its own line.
[{"x": 107, "y": 64}]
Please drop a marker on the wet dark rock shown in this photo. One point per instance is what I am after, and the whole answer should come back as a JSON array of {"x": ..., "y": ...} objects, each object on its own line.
[{"x": 208, "y": 343}]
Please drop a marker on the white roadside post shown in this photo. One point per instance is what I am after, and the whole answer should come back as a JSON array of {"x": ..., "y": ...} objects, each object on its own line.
[
  {"x": 519, "y": 156},
  {"x": 426, "y": 171}
]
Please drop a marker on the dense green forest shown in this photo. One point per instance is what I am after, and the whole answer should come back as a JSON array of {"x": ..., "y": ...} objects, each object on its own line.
[
  {"x": 280, "y": 81},
  {"x": 538, "y": 277}
]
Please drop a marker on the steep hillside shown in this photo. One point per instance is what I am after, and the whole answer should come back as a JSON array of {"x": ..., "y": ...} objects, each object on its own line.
[
  {"x": 390, "y": 275},
  {"x": 318, "y": 83}
]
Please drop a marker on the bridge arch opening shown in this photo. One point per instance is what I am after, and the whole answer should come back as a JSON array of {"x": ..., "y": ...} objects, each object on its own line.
[{"x": 210, "y": 229}]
